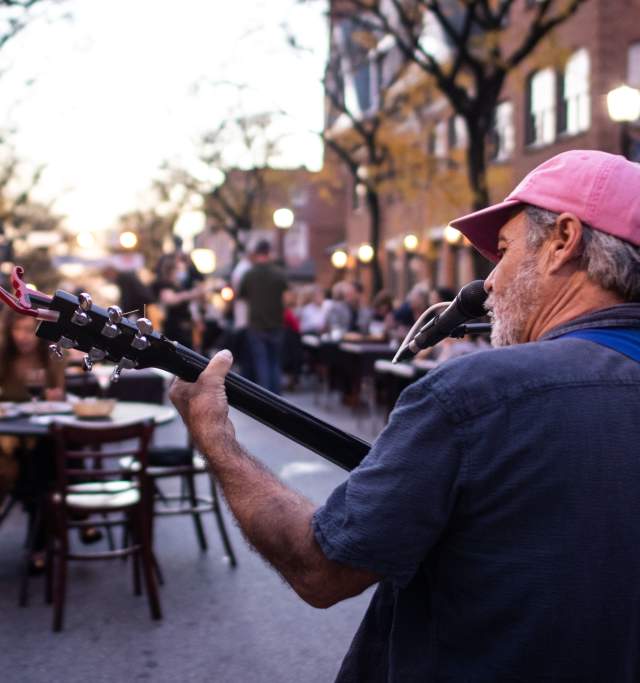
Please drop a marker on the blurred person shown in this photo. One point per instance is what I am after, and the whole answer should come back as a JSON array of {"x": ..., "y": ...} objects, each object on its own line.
[
  {"x": 292, "y": 341},
  {"x": 346, "y": 313},
  {"x": 382, "y": 320},
  {"x": 416, "y": 302},
  {"x": 135, "y": 296},
  {"x": 176, "y": 297},
  {"x": 240, "y": 312},
  {"x": 497, "y": 512},
  {"x": 27, "y": 372},
  {"x": 263, "y": 287},
  {"x": 313, "y": 310}
]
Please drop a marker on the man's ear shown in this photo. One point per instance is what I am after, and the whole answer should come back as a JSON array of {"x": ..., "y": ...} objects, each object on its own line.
[{"x": 565, "y": 243}]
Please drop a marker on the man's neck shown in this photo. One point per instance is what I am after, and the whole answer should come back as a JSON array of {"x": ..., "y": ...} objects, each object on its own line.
[{"x": 574, "y": 297}]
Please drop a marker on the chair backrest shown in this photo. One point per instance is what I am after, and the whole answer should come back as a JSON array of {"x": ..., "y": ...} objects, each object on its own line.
[{"x": 76, "y": 445}]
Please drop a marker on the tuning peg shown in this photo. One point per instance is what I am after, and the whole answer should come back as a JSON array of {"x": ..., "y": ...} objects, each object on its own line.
[
  {"x": 80, "y": 316},
  {"x": 85, "y": 301},
  {"x": 56, "y": 350},
  {"x": 92, "y": 357},
  {"x": 111, "y": 329},
  {"x": 124, "y": 364},
  {"x": 145, "y": 327}
]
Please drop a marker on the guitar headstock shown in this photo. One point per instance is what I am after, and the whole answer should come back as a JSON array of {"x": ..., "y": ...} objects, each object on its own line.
[{"x": 104, "y": 334}]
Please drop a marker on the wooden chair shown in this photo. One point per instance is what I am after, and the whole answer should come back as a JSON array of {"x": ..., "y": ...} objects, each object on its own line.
[{"x": 90, "y": 480}]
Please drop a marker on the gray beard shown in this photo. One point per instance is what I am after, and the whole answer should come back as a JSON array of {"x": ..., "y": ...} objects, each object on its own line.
[{"x": 510, "y": 311}]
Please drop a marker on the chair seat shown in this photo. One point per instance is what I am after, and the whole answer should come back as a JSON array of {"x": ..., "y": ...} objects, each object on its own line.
[
  {"x": 107, "y": 494},
  {"x": 197, "y": 463}
]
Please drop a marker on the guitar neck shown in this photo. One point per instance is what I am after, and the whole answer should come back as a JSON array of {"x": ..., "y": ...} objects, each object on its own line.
[{"x": 336, "y": 445}]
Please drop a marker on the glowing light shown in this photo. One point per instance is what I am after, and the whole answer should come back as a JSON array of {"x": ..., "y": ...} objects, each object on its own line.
[
  {"x": 227, "y": 294},
  {"x": 283, "y": 218},
  {"x": 410, "y": 242},
  {"x": 128, "y": 239},
  {"x": 339, "y": 258},
  {"x": 451, "y": 235},
  {"x": 85, "y": 240},
  {"x": 623, "y": 103},
  {"x": 189, "y": 223},
  {"x": 365, "y": 253},
  {"x": 204, "y": 260}
]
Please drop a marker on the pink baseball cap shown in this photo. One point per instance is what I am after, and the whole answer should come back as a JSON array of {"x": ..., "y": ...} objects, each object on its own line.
[{"x": 602, "y": 189}]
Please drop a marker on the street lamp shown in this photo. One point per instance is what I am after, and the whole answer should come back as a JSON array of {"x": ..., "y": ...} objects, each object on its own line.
[
  {"x": 452, "y": 235},
  {"x": 283, "y": 219},
  {"x": 410, "y": 242},
  {"x": 365, "y": 253},
  {"x": 623, "y": 104},
  {"x": 204, "y": 260},
  {"x": 128, "y": 239},
  {"x": 339, "y": 259}
]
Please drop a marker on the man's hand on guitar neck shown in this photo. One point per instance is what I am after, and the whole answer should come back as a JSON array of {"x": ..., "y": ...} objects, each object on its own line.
[{"x": 274, "y": 519}]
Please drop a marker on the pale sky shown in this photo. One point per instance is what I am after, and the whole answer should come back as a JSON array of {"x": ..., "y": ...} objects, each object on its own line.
[{"x": 125, "y": 84}]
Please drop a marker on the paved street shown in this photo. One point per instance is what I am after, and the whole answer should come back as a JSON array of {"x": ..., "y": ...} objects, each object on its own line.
[{"x": 220, "y": 624}]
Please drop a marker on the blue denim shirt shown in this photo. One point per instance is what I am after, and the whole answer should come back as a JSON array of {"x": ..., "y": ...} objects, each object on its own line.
[{"x": 501, "y": 506}]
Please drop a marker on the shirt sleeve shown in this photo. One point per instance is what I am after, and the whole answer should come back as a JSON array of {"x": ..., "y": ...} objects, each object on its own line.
[{"x": 395, "y": 505}]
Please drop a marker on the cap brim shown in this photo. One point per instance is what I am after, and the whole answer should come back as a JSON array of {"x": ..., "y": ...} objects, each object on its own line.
[{"x": 481, "y": 227}]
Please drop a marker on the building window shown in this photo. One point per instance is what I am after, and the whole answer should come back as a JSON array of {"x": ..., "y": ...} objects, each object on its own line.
[
  {"x": 438, "y": 139},
  {"x": 577, "y": 100},
  {"x": 503, "y": 134},
  {"x": 457, "y": 133},
  {"x": 541, "y": 114}
]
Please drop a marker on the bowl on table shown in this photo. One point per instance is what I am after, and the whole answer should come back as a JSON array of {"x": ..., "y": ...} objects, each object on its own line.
[{"x": 94, "y": 408}]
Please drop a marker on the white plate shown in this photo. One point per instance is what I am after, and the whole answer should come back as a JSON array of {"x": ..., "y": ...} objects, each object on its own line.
[
  {"x": 9, "y": 410},
  {"x": 45, "y": 407}
]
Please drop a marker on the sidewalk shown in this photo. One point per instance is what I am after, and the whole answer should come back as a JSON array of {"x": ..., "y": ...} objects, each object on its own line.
[{"x": 220, "y": 624}]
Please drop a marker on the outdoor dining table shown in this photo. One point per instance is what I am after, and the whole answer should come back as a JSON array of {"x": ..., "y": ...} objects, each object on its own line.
[
  {"x": 125, "y": 412},
  {"x": 395, "y": 377},
  {"x": 356, "y": 359}
]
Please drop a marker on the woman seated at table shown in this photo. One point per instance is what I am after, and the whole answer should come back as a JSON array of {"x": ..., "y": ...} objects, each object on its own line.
[{"x": 27, "y": 371}]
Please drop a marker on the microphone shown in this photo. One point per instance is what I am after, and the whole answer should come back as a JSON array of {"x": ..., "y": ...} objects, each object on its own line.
[{"x": 468, "y": 304}]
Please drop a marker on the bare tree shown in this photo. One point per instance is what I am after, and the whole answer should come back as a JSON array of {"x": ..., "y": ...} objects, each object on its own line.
[
  {"x": 356, "y": 126},
  {"x": 482, "y": 50},
  {"x": 15, "y": 15},
  {"x": 236, "y": 179}
]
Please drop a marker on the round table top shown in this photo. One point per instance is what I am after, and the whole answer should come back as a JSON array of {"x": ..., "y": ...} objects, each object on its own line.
[{"x": 124, "y": 412}]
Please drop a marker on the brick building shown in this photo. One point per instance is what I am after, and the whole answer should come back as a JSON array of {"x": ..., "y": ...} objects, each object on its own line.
[
  {"x": 554, "y": 101},
  {"x": 316, "y": 220}
]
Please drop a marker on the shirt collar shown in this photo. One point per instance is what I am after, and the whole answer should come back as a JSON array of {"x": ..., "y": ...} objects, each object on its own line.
[{"x": 622, "y": 315}]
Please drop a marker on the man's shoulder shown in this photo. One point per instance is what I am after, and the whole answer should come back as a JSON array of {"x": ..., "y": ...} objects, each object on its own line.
[{"x": 477, "y": 382}]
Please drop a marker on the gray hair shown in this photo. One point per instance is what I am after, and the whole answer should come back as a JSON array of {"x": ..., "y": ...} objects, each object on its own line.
[{"x": 610, "y": 262}]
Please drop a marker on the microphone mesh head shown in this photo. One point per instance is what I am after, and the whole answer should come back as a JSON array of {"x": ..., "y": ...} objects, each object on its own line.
[{"x": 471, "y": 298}]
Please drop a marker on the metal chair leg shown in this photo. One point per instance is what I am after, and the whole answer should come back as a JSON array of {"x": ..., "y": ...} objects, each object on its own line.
[
  {"x": 217, "y": 511},
  {"x": 189, "y": 481}
]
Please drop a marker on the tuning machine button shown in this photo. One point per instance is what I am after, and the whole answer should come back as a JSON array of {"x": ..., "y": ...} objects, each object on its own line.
[
  {"x": 94, "y": 355},
  {"x": 80, "y": 316},
  {"x": 145, "y": 328},
  {"x": 124, "y": 364},
  {"x": 57, "y": 350},
  {"x": 111, "y": 328}
]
